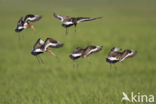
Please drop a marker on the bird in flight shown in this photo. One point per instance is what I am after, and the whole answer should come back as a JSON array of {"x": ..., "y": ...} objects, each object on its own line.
[
  {"x": 24, "y": 23},
  {"x": 115, "y": 55},
  {"x": 84, "y": 53},
  {"x": 70, "y": 21},
  {"x": 43, "y": 46}
]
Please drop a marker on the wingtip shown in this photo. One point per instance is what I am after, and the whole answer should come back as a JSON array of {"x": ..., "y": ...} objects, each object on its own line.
[
  {"x": 54, "y": 14},
  {"x": 99, "y": 17}
]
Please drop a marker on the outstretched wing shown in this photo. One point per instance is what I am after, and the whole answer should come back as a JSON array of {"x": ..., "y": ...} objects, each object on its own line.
[
  {"x": 39, "y": 43},
  {"x": 38, "y": 47},
  {"x": 20, "y": 25},
  {"x": 52, "y": 43},
  {"x": 61, "y": 18},
  {"x": 20, "y": 22},
  {"x": 82, "y": 19},
  {"x": 92, "y": 49},
  {"x": 77, "y": 53},
  {"x": 32, "y": 18},
  {"x": 127, "y": 54}
]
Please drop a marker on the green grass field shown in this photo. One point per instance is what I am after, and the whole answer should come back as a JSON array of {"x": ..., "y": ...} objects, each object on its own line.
[{"x": 126, "y": 23}]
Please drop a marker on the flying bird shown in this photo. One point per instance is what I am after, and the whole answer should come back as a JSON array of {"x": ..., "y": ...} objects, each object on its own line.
[
  {"x": 115, "y": 55},
  {"x": 24, "y": 23},
  {"x": 84, "y": 53},
  {"x": 70, "y": 21},
  {"x": 43, "y": 46}
]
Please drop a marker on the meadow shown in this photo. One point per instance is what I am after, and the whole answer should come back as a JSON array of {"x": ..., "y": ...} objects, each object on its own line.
[{"x": 128, "y": 24}]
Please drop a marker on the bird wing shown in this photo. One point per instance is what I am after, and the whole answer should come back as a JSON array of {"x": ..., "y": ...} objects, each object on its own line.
[
  {"x": 32, "y": 18},
  {"x": 92, "y": 49},
  {"x": 39, "y": 43},
  {"x": 20, "y": 22},
  {"x": 127, "y": 54},
  {"x": 61, "y": 18},
  {"x": 82, "y": 19},
  {"x": 77, "y": 53},
  {"x": 52, "y": 43},
  {"x": 20, "y": 25}
]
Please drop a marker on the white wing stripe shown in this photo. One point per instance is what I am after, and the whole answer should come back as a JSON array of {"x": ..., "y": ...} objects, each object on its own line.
[
  {"x": 129, "y": 54},
  {"x": 85, "y": 19},
  {"x": 76, "y": 54},
  {"x": 20, "y": 27},
  {"x": 113, "y": 58},
  {"x": 68, "y": 23},
  {"x": 50, "y": 44},
  {"x": 37, "y": 50},
  {"x": 94, "y": 50},
  {"x": 60, "y": 18}
]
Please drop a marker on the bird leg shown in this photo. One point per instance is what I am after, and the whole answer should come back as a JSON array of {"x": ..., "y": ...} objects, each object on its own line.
[
  {"x": 75, "y": 64},
  {"x": 66, "y": 31},
  {"x": 115, "y": 67},
  {"x": 19, "y": 37},
  {"x": 75, "y": 28},
  {"x": 110, "y": 66},
  {"x": 88, "y": 59},
  {"x": 50, "y": 51},
  {"x": 40, "y": 59}
]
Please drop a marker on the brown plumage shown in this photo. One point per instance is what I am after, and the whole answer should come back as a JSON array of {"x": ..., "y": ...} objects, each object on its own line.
[
  {"x": 115, "y": 55},
  {"x": 84, "y": 53},
  {"x": 24, "y": 23},
  {"x": 41, "y": 46},
  {"x": 70, "y": 21}
]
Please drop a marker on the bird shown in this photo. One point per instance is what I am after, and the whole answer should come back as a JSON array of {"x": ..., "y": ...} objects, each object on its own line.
[
  {"x": 70, "y": 21},
  {"x": 115, "y": 55},
  {"x": 84, "y": 53},
  {"x": 43, "y": 46},
  {"x": 24, "y": 23}
]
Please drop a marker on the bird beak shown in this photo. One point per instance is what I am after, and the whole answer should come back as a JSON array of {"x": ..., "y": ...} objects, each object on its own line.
[
  {"x": 32, "y": 27},
  {"x": 50, "y": 51}
]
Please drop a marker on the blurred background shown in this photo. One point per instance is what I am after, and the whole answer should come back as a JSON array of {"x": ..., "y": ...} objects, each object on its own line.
[{"x": 128, "y": 24}]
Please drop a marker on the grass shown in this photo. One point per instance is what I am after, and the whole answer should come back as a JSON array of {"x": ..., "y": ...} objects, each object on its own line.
[{"x": 126, "y": 24}]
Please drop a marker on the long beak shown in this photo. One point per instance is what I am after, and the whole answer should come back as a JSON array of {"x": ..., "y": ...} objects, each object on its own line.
[
  {"x": 88, "y": 59},
  {"x": 50, "y": 51},
  {"x": 32, "y": 27},
  {"x": 75, "y": 28}
]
